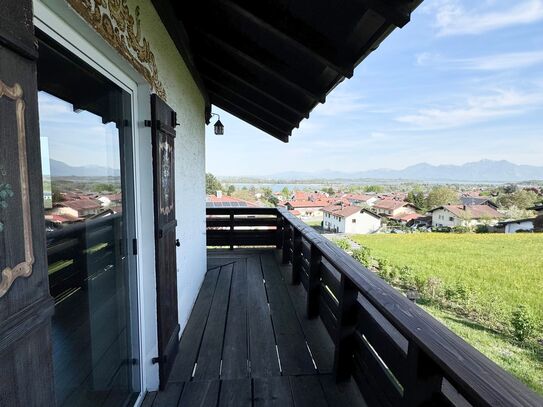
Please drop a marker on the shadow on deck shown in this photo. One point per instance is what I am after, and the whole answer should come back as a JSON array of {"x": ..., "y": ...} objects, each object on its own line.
[{"x": 249, "y": 343}]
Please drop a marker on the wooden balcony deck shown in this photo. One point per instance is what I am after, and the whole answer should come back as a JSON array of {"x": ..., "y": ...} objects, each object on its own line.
[{"x": 249, "y": 343}]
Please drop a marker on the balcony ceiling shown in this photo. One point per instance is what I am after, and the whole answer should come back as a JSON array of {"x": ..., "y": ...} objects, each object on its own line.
[{"x": 270, "y": 62}]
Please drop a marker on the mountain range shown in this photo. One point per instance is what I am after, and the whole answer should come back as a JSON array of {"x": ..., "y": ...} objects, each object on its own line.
[
  {"x": 483, "y": 170},
  {"x": 61, "y": 169}
]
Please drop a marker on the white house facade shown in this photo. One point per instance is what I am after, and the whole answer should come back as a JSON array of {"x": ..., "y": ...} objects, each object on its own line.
[
  {"x": 350, "y": 219},
  {"x": 464, "y": 215}
]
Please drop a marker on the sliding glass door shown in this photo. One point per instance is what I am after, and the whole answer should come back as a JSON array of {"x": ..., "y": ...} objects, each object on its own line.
[{"x": 85, "y": 126}]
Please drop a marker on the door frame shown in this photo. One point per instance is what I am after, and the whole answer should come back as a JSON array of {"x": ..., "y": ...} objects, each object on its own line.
[{"x": 56, "y": 19}]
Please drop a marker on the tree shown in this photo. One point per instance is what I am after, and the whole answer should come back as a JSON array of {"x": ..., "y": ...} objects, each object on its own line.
[
  {"x": 231, "y": 190},
  {"x": 521, "y": 199},
  {"x": 374, "y": 188},
  {"x": 441, "y": 195},
  {"x": 329, "y": 190},
  {"x": 416, "y": 197},
  {"x": 285, "y": 192},
  {"x": 212, "y": 184}
]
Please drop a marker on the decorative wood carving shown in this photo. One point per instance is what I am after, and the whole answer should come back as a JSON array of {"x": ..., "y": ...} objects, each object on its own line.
[
  {"x": 166, "y": 167},
  {"x": 23, "y": 269},
  {"x": 113, "y": 21}
]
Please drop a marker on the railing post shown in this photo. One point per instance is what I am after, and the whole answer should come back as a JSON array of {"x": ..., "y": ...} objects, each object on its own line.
[
  {"x": 280, "y": 234},
  {"x": 231, "y": 230},
  {"x": 296, "y": 256},
  {"x": 287, "y": 244},
  {"x": 424, "y": 378},
  {"x": 314, "y": 286},
  {"x": 346, "y": 326}
]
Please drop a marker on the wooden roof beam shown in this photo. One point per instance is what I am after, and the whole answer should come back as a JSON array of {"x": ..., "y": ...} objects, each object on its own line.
[
  {"x": 255, "y": 88},
  {"x": 391, "y": 10},
  {"x": 247, "y": 100},
  {"x": 280, "y": 77},
  {"x": 347, "y": 72}
]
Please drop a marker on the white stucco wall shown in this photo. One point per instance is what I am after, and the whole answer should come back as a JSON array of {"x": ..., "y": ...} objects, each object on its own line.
[
  {"x": 365, "y": 224},
  {"x": 440, "y": 217},
  {"x": 185, "y": 98},
  {"x": 524, "y": 225}
]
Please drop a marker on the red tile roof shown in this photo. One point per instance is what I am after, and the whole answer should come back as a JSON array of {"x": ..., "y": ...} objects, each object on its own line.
[
  {"x": 308, "y": 204},
  {"x": 346, "y": 211},
  {"x": 226, "y": 198},
  {"x": 81, "y": 204},
  {"x": 390, "y": 204},
  {"x": 472, "y": 211}
]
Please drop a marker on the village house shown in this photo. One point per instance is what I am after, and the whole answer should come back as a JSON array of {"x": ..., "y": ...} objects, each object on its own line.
[
  {"x": 219, "y": 200},
  {"x": 307, "y": 208},
  {"x": 79, "y": 208},
  {"x": 350, "y": 219},
  {"x": 464, "y": 215},
  {"x": 514, "y": 226},
  {"x": 470, "y": 200},
  {"x": 392, "y": 208},
  {"x": 109, "y": 200},
  {"x": 361, "y": 199}
]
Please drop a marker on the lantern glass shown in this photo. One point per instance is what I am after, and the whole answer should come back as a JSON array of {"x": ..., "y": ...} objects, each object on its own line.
[{"x": 219, "y": 128}]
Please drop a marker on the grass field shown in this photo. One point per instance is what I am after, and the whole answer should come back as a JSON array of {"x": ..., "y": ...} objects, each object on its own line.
[{"x": 500, "y": 271}]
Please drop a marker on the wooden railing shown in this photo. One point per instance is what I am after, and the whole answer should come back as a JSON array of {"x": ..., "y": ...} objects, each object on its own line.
[
  {"x": 397, "y": 353},
  {"x": 76, "y": 251}
]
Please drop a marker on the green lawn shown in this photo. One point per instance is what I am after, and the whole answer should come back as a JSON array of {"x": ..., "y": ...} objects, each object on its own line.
[{"x": 501, "y": 271}]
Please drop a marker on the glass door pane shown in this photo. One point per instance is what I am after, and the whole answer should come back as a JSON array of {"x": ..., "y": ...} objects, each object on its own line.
[{"x": 86, "y": 160}]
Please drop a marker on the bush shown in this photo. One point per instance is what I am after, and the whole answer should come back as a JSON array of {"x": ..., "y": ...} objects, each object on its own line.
[
  {"x": 523, "y": 323},
  {"x": 482, "y": 229},
  {"x": 363, "y": 256},
  {"x": 460, "y": 229},
  {"x": 343, "y": 244}
]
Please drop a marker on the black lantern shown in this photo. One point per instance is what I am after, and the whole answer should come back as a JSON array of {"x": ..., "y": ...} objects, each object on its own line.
[{"x": 219, "y": 128}]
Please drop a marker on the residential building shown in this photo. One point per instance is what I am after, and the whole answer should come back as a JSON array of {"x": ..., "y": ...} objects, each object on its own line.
[
  {"x": 514, "y": 226},
  {"x": 464, "y": 215},
  {"x": 224, "y": 201},
  {"x": 307, "y": 208},
  {"x": 79, "y": 208},
  {"x": 350, "y": 219},
  {"x": 392, "y": 208},
  {"x": 361, "y": 199},
  {"x": 470, "y": 200}
]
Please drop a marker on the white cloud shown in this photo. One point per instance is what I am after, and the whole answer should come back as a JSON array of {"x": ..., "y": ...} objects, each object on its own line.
[
  {"x": 452, "y": 18},
  {"x": 341, "y": 102},
  {"x": 500, "y": 103},
  {"x": 496, "y": 62}
]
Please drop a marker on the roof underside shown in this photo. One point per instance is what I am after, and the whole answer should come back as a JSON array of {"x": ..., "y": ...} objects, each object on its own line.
[{"x": 270, "y": 62}]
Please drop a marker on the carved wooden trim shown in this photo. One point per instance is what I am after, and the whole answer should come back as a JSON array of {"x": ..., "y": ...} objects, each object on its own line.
[
  {"x": 113, "y": 21},
  {"x": 23, "y": 269},
  {"x": 166, "y": 199}
]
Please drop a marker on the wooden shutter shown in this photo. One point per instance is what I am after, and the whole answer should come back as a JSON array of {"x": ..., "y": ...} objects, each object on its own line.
[
  {"x": 163, "y": 122},
  {"x": 25, "y": 303}
]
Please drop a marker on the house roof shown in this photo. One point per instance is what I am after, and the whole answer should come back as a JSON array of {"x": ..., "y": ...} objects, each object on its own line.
[
  {"x": 81, "y": 204},
  {"x": 408, "y": 216},
  {"x": 302, "y": 203},
  {"x": 271, "y": 62},
  {"x": 471, "y": 211},
  {"x": 508, "y": 222},
  {"x": 225, "y": 201},
  {"x": 470, "y": 200},
  {"x": 391, "y": 204},
  {"x": 346, "y": 211},
  {"x": 359, "y": 197}
]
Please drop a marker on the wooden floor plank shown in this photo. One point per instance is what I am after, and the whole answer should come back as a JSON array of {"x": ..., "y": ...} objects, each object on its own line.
[
  {"x": 170, "y": 396},
  {"x": 235, "y": 349},
  {"x": 293, "y": 353},
  {"x": 318, "y": 339},
  {"x": 193, "y": 333},
  {"x": 149, "y": 399},
  {"x": 272, "y": 392},
  {"x": 235, "y": 393},
  {"x": 209, "y": 357},
  {"x": 307, "y": 391},
  {"x": 341, "y": 394},
  {"x": 262, "y": 353},
  {"x": 200, "y": 394}
]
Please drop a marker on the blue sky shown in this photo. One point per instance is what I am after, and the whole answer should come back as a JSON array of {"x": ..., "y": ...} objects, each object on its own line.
[{"x": 461, "y": 82}]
